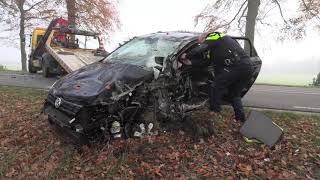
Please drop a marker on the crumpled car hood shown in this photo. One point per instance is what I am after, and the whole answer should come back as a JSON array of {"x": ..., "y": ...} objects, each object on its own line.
[{"x": 98, "y": 81}]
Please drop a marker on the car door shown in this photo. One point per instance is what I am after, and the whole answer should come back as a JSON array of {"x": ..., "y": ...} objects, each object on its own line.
[
  {"x": 254, "y": 57},
  {"x": 200, "y": 75}
]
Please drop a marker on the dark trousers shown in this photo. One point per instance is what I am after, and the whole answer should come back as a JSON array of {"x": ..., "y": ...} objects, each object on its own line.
[{"x": 231, "y": 80}]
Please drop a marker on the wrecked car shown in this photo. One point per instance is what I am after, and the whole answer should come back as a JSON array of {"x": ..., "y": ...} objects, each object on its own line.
[{"x": 142, "y": 79}]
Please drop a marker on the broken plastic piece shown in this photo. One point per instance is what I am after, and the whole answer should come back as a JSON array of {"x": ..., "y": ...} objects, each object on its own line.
[
  {"x": 72, "y": 120},
  {"x": 137, "y": 134},
  {"x": 150, "y": 126},
  {"x": 79, "y": 128},
  {"x": 143, "y": 131},
  {"x": 115, "y": 129},
  {"x": 262, "y": 128},
  {"x": 142, "y": 128}
]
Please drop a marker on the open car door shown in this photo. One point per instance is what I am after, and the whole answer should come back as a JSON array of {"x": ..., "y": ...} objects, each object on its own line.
[
  {"x": 202, "y": 76},
  {"x": 254, "y": 57}
]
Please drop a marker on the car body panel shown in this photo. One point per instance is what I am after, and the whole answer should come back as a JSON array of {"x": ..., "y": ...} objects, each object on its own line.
[{"x": 97, "y": 80}]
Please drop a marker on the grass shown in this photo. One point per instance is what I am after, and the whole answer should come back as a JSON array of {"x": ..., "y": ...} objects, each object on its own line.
[
  {"x": 29, "y": 149},
  {"x": 63, "y": 164},
  {"x": 286, "y": 85},
  {"x": 293, "y": 79},
  {"x": 24, "y": 93},
  {"x": 13, "y": 71},
  {"x": 317, "y": 141}
]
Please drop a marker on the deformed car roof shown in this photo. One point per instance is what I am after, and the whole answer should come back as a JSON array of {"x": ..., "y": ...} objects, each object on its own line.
[{"x": 183, "y": 36}]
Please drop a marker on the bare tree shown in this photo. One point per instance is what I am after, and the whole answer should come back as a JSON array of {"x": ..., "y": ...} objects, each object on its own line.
[
  {"x": 245, "y": 9},
  {"x": 307, "y": 15},
  {"x": 22, "y": 15},
  {"x": 247, "y": 13}
]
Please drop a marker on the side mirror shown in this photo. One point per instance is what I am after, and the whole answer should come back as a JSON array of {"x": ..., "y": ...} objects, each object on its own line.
[{"x": 159, "y": 60}]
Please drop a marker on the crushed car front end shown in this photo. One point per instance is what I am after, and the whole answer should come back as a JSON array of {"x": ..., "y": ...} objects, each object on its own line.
[
  {"x": 88, "y": 103},
  {"x": 106, "y": 99},
  {"x": 62, "y": 113}
]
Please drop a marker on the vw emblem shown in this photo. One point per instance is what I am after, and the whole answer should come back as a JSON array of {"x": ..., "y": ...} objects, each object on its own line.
[{"x": 57, "y": 103}]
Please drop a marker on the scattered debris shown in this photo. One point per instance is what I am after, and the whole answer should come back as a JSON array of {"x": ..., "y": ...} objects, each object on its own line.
[
  {"x": 267, "y": 159},
  {"x": 262, "y": 128}
]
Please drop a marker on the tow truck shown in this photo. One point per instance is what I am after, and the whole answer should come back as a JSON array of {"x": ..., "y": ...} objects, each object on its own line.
[{"x": 60, "y": 49}]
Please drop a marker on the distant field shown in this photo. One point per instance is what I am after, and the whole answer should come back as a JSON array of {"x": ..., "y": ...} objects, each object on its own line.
[
  {"x": 14, "y": 67},
  {"x": 286, "y": 79},
  {"x": 265, "y": 78}
]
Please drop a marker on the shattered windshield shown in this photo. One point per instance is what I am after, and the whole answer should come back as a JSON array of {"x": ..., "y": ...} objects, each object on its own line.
[{"x": 142, "y": 51}]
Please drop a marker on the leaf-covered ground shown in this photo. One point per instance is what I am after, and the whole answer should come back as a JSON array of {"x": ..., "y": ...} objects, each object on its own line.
[{"x": 29, "y": 149}]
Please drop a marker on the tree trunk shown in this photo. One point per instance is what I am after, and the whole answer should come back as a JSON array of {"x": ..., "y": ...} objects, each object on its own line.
[
  {"x": 71, "y": 8},
  {"x": 253, "y": 7},
  {"x": 22, "y": 36}
]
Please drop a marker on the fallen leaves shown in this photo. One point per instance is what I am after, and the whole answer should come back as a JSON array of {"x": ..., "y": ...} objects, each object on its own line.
[
  {"x": 29, "y": 149},
  {"x": 245, "y": 168},
  {"x": 150, "y": 169},
  {"x": 10, "y": 173}
]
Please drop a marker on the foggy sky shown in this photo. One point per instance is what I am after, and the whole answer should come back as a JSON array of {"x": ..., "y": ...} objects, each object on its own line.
[{"x": 147, "y": 16}]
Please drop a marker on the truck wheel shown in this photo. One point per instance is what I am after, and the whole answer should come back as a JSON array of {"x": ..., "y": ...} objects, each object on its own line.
[
  {"x": 45, "y": 69},
  {"x": 46, "y": 59},
  {"x": 31, "y": 68}
]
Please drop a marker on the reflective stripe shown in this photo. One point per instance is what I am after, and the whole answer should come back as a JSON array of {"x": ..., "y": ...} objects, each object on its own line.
[
  {"x": 214, "y": 36},
  {"x": 251, "y": 140},
  {"x": 208, "y": 55}
]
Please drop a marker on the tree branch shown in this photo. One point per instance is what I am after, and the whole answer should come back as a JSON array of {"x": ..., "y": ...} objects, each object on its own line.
[
  {"x": 309, "y": 10},
  {"x": 10, "y": 6},
  {"x": 280, "y": 9},
  {"x": 34, "y": 5},
  {"x": 242, "y": 15},
  {"x": 263, "y": 23},
  {"x": 243, "y": 4},
  {"x": 303, "y": 2}
]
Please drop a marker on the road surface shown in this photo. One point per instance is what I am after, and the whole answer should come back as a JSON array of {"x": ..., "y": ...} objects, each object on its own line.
[
  {"x": 259, "y": 96},
  {"x": 284, "y": 98}
]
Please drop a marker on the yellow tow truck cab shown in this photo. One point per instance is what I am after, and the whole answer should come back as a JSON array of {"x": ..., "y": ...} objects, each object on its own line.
[{"x": 37, "y": 34}]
